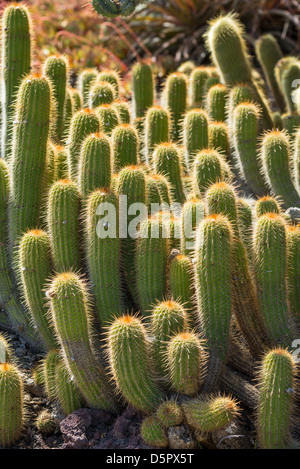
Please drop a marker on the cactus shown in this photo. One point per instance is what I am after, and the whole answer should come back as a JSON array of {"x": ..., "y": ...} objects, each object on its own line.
[
  {"x": 68, "y": 114},
  {"x": 175, "y": 96},
  {"x": 123, "y": 109},
  {"x": 5, "y": 349},
  {"x": 45, "y": 423},
  {"x": 245, "y": 222},
  {"x": 130, "y": 364},
  {"x": 207, "y": 170},
  {"x": 113, "y": 8},
  {"x": 277, "y": 119},
  {"x": 67, "y": 393},
  {"x": 168, "y": 318},
  {"x": 210, "y": 413},
  {"x": 86, "y": 80},
  {"x": 157, "y": 129},
  {"x": 193, "y": 211},
  {"x": 275, "y": 155},
  {"x": 293, "y": 275},
  {"x": 103, "y": 253},
  {"x": 101, "y": 93},
  {"x": 170, "y": 414},
  {"x": 108, "y": 118},
  {"x": 186, "y": 362},
  {"x": 296, "y": 161},
  {"x": 265, "y": 205},
  {"x": 270, "y": 251},
  {"x": 60, "y": 163},
  {"x": 213, "y": 274},
  {"x": 229, "y": 54},
  {"x": 187, "y": 67},
  {"x": 151, "y": 263},
  {"x": 63, "y": 225},
  {"x": 269, "y": 53},
  {"x": 36, "y": 268},
  {"x": 49, "y": 366},
  {"x": 182, "y": 282},
  {"x": 276, "y": 383},
  {"x": 111, "y": 77},
  {"x": 76, "y": 99},
  {"x": 56, "y": 69},
  {"x": 71, "y": 319},
  {"x": 125, "y": 145},
  {"x": 167, "y": 161},
  {"x": 154, "y": 433},
  {"x": 291, "y": 123},
  {"x": 143, "y": 89},
  {"x": 245, "y": 133},
  {"x": 16, "y": 61},
  {"x": 218, "y": 138},
  {"x": 195, "y": 134},
  {"x": 197, "y": 81},
  {"x": 153, "y": 196},
  {"x": 28, "y": 156},
  {"x": 12, "y": 407},
  {"x": 83, "y": 123},
  {"x": 95, "y": 164},
  {"x": 289, "y": 81},
  {"x": 216, "y": 102}
]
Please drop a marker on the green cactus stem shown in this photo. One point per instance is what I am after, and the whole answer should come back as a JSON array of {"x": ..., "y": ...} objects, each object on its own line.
[
  {"x": 170, "y": 414},
  {"x": 125, "y": 146},
  {"x": 123, "y": 109},
  {"x": 218, "y": 138},
  {"x": 157, "y": 129},
  {"x": 101, "y": 93},
  {"x": 175, "y": 96},
  {"x": 86, "y": 80},
  {"x": 112, "y": 77},
  {"x": 182, "y": 283},
  {"x": 108, "y": 117},
  {"x": 154, "y": 433},
  {"x": 195, "y": 134},
  {"x": 265, "y": 205},
  {"x": 143, "y": 89},
  {"x": 67, "y": 393},
  {"x": 12, "y": 414}
]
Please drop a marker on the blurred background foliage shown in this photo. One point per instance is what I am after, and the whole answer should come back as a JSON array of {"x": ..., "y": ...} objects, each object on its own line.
[{"x": 164, "y": 31}]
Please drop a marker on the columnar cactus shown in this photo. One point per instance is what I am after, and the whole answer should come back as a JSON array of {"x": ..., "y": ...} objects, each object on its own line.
[
  {"x": 67, "y": 393},
  {"x": 130, "y": 364},
  {"x": 103, "y": 253},
  {"x": 193, "y": 212},
  {"x": 76, "y": 99},
  {"x": 35, "y": 269},
  {"x": 154, "y": 433},
  {"x": 95, "y": 164},
  {"x": 175, "y": 96},
  {"x": 218, "y": 138},
  {"x": 270, "y": 251},
  {"x": 86, "y": 80},
  {"x": 289, "y": 80},
  {"x": 61, "y": 170},
  {"x": 216, "y": 102},
  {"x": 170, "y": 413},
  {"x": 213, "y": 276},
  {"x": 49, "y": 365},
  {"x": 108, "y": 118},
  {"x": 182, "y": 283},
  {"x": 83, "y": 123},
  {"x": 245, "y": 126},
  {"x": 125, "y": 146},
  {"x": 157, "y": 129},
  {"x": 186, "y": 362},
  {"x": 293, "y": 273},
  {"x": 71, "y": 319},
  {"x": 210, "y": 413},
  {"x": 275, "y": 409},
  {"x": 11, "y": 404},
  {"x": 113, "y": 8},
  {"x": 56, "y": 69},
  {"x": 265, "y": 205},
  {"x": 195, "y": 134},
  {"x": 28, "y": 156},
  {"x": 291, "y": 123},
  {"x": 15, "y": 60},
  {"x": 63, "y": 225},
  {"x": 207, "y": 170},
  {"x": 245, "y": 222},
  {"x": 197, "y": 86},
  {"x": 168, "y": 318},
  {"x": 123, "y": 109},
  {"x": 151, "y": 263},
  {"x": 143, "y": 88},
  {"x": 269, "y": 53},
  {"x": 275, "y": 155},
  {"x": 167, "y": 161},
  {"x": 101, "y": 93},
  {"x": 111, "y": 77}
]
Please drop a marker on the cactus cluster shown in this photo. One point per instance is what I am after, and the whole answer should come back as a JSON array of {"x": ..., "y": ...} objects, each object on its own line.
[{"x": 145, "y": 250}]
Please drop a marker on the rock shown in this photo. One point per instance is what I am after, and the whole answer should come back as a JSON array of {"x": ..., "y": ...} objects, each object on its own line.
[
  {"x": 181, "y": 438},
  {"x": 293, "y": 213},
  {"x": 74, "y": 427},
  {"x": 235, "y": 436}
]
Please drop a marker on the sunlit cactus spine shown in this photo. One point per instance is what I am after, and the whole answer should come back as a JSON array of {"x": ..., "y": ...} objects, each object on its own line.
[
  {"x": 63, "y": 225},
  {"x": 293, "y": 271},
  {"x": 182, "y": 283},
  {"x": 195, "y": 134},
  {"x": 60, "y": 163},
  {"x": 108, "y": 117},
  {"x": 218, "y": 138},
  {"x": 213, "y": 272},
  {"x": 276, "y": 159},
  {"x": 95, "y": 164},
  {"x": 229, "y": 53},
  {"x": 101, "y": 93},
  {"x": 69, "y": 305},
  {"x": 154, "y": 432},
  {"x": 86, "y": 80},
  {"x": 154, "y": 202},
  {"x": 76, "y": 99},
  {"x": 12, "y": 415},
  {"x": 265, "y": 205},
  {"x": 175, "y": 98},
  {"x": 83, "y": 123},
  {"x": 131, "y": 364},
  {"x": 125, "y": 146},
  {"x": 167, "y": 161},
  {"x": 56, "y": 69},
  {"x": 36, "y": 269},
  {"x": 151, "y": 263},
  {"x": 168, "y": 318},
  {"x": 111, "y": 77},
  {"x": 207, "y": 170},
  {"x": 143, "y": 88},
  {"x": 164, "y": 188},
  {"x": 276, "y": 385},
  {"x": 67, "y": 393},
  {"x": 197, "y": 81},
  {"x": 103, "y": 253},
  {"x": 211, "y": 81},
  {"x": 245, "y": 129},
  {"x": 170, "y": 413},
  {"x": 270, "y": 251},
  {"x": 185, "y": 359},
  {"x": 209, "y": 413},
  {"x": 49, "y": 365},
  {"x": 269, "y": 53},
  {"x": 193, "y": 212},
  {"x": 216, "y": 102},
  {"x": 28, "y": 156},
  {"x": 123, "y": 109},
  {"x": 16, "y": 61},
  {"x": 157, "y": 129},
  {"x": 68, "y": 114}
]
